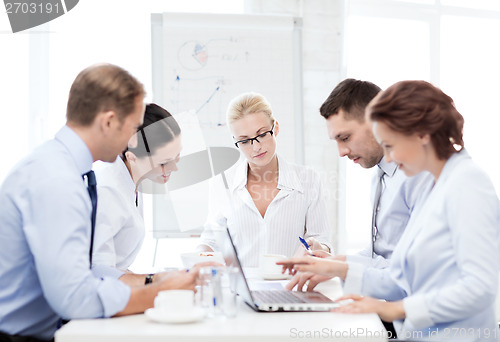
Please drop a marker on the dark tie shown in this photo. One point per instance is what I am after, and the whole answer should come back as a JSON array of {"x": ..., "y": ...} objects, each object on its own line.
[
  {"x": 91, "y": 183},
  {"x": 376, "y": 202}
]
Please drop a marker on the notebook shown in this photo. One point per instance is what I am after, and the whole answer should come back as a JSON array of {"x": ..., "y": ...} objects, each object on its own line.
[{"x": 269, "y": 300}]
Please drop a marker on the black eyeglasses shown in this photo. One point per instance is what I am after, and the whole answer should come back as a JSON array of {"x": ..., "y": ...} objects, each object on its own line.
[{"x": 259, "y": 138}]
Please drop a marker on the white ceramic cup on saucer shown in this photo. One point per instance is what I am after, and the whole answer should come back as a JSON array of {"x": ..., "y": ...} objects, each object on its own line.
[
  {"x": 174, "y": 302},
  {"x": 268, "y": 268}
]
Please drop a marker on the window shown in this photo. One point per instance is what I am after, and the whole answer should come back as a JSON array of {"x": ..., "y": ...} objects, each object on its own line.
[
  {"x": 15, "y": 67},
  {"x": 450, "y": 43},
  {"x": 469, "y": 73}
]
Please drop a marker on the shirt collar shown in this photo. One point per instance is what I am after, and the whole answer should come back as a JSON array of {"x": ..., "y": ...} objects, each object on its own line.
[
  {"x": 240, "y": 176},
  {"x": 388, "y": 168},
  {"x": 454, "y": 159},
  {"x": 287, "y": 178},
  {"x": 128, "y": 182},
  {"x": 76, "y": 148}
]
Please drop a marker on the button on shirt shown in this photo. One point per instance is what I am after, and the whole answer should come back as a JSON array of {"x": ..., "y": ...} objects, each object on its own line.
[
  {"x": 446, "y": 263},
  {"x": 45, "y": 240},
  {"x": 120, "y": 224},
  {"x": 399, "y": 196},
  {"x": 297, "y": 210}
]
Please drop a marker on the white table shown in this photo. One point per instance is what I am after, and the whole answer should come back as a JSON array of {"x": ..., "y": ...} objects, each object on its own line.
[{"x": 247, "y": 326}]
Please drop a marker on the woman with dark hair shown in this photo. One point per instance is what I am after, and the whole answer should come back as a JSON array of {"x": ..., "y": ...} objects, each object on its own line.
[
  {"x": 442, "y": 280},
  {"x": 152, "y": 154}
]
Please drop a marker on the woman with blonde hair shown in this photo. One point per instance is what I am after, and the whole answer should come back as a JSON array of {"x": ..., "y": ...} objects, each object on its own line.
[{"x": 275, "y": 202}]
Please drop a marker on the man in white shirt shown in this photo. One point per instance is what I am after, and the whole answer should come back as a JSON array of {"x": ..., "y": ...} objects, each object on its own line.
[{"x": 393, "y": 194}]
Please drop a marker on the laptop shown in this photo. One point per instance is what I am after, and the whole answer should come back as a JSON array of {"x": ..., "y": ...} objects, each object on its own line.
[{"x": 269, "y": 300}]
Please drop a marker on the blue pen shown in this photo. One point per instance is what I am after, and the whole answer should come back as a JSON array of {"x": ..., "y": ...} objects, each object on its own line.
[{"x": 308, "y": 249}]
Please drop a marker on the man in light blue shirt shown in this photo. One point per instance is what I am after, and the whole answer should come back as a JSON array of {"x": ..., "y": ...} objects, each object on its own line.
[
  {"x": 393, "y": 200},
  {"x": 45, "y": 221}
]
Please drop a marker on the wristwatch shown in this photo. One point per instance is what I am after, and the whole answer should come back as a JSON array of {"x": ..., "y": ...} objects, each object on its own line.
[{"x": 149, "y": 278}]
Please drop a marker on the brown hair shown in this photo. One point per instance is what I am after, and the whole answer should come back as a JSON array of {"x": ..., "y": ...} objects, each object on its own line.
[
  {"x": 101, "y": 88},
  {"x": 352, "y": 96},
  {"x": 410, "y": 107}
]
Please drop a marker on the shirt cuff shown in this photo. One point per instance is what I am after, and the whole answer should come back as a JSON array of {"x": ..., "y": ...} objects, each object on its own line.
[
  {"x": 354, "y": 278},
  {"x": 114, "y": 296},
  {"x": 417, "y": 312},
  {"x": 327, "y": 244},
  {"x": 209, "y": 244},
  {"x": 101, "y": 271}
]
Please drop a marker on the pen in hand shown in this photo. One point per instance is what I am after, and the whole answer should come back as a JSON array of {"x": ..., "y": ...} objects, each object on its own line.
[{"x": 306, "y": 245}]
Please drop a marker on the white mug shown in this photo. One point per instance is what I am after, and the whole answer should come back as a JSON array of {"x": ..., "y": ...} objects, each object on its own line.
[
  {"x": 179, "y": 302},
  {"x": 268, "y": 267}
]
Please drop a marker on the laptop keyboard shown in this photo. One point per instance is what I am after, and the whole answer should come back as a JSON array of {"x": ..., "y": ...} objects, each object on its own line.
[{"x": 276, "y": 297}]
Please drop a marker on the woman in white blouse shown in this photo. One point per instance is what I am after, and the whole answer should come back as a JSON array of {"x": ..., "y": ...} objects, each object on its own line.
[
  {"x": 442, "y": 280},
  {"x": 273, "y": 201},
  {"x": 152, "y": 155}
]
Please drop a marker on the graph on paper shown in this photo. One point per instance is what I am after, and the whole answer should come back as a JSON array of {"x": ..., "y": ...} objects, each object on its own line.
[
  {"x": 205, "y": 67},
  {"x": 205, "y": 61}
]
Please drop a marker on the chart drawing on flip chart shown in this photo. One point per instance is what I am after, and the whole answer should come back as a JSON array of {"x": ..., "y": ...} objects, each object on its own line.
[{"x": 202, "y": 61}]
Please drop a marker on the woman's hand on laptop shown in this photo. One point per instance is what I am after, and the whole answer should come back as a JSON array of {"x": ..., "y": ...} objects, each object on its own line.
[
  {"x": 387, "y": 311},
  {"x": 308, "y": 279}
]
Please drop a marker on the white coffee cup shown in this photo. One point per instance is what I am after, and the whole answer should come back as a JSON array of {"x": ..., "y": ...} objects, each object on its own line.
[
  {"x": 268, "y": 267},
  {"x": 178, "y": 302}
]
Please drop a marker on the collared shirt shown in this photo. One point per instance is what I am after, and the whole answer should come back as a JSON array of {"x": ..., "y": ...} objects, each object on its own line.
[
  {"x": 44, "y": 243},
  {"x": 297, "y": 210},
  {"x": 119, "y": 224},
  {"x": 399, "y": 196},
  {"x": 446, "y": 263}
]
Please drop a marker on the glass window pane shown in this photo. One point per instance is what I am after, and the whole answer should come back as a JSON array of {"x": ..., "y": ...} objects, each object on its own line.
[
  {"x": 14, "y": 85},
  {"x": 477, "y": 4},
  {"x": 420, "y": 2},
  {"x": 470, "y": 70},
  {"x": 383, "y": 51},
  {"x": 358, "y": 207}
]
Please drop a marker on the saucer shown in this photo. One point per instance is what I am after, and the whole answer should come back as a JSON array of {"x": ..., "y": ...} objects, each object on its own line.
[
  {"x": 160, "y": 317},
  {"x": 276, "y": 276}
]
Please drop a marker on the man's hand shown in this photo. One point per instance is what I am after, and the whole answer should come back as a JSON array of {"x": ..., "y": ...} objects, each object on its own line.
[
  {"x": 177, "y": 280},
  {"x": 322, "y": 266}
]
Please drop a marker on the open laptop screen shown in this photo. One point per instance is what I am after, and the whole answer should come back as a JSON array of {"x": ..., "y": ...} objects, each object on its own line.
[{"x": 238, "y": 282}]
